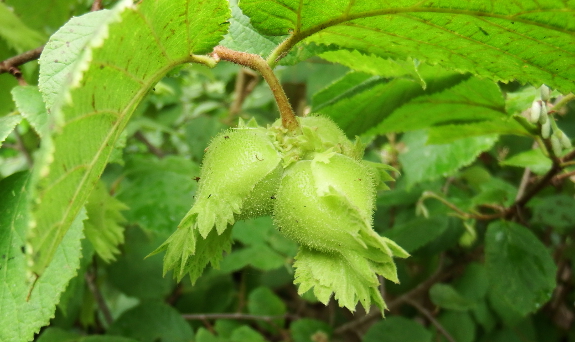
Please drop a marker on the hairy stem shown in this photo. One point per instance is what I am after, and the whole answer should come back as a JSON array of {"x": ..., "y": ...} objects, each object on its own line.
[{"x": 257, "y": 63}]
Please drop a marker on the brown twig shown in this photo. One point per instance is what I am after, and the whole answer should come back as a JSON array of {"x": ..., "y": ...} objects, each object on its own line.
[
  {"x": 11, "y": 64},
  {"x": 246, "y": 81},
  {"x": 236, "y": 316},
  {"x": 96, "y": 5},
  {"x": 461, "y": 213},
  {"x": 562, "y": 176},
  {"x": 90, "y": 277},
  {"x": 430, "y": 317},
  {"x": 20, "y": 146},
  {"x": 256, "y": 62},
  {"x": 156, "y": 151}
]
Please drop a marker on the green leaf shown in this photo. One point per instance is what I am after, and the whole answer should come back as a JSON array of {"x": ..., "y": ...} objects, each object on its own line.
[
  {"x": 46, "y": 16},
  {"x": 387, "y": 68},
  {"x": 495, "y": 191},
  {"x": 151, "y": 322},
  {"x": 555, "y": 211},
  {"x": 397, "y": 329},
  {"x": 136, "y": 276},
  {"x": 214, "y": 292},
  {"x": 265, "y": 248},
  {"x": 445, "y": 134},
  {"x": 307, "y": 330},
  {"x": 374, "y": 98},
  {"x": 27, "y": 303},
  {"x": 484, "y": 317},
  {"x": 259, "y": 256},
  {"x": 246, "y": 334},
  {"x": 243, "y": 37},
  {"x": 473, "y": 283},
  {"x": 471, "y": 100},
  {"x": 262, "y": 301},
  {"x": 460, "y": 326},
  {"x": 528, "y": 40},
  {"x": 418, "y": 232},
  {"x": 170, "y": 179},
  {"x": 505, "y": 310},
  {"x": 30, "y": 104},
  {"x": 534, "y": 159},
  {"x": 104, "y": 89},
  {"x": 520, "y": 267},
  {"x": 423, "y": 162},
  {"x": 240, "y": 334},
  {"x": 104, "y": 338},
  {"x": 7, "y": 124},
  {"x": 16, "y": 33},
  {"x": 447, "y": 297},
  {"x": 52, "y": 334},
  {"x": 59, "y": 335},
  {"x": 63, "y": 52},
  {"x": 103, "y": 227}
]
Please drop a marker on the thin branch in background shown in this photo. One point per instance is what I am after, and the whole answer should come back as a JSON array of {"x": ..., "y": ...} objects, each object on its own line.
[
  {"x": 11, "y": 64},
  {"x": 246, "y": 81},
  {"x": 242, "y": 292},
  {"x": 381, "y": 280},
  {"x": 96, "y": 5},
  {"x": 20, "y": 146},
  {"x": 524, "y": 183},
  {"x": 241, "y": 316},
  {"x": 90, "y": 277},
  {"x": 431, "y": 319},
  {"x": 236, "y": 316},
  {"x": 562, "y": 176},
  {"x": 563, "y": 102},
  {"x": 153, "y": 149},
  {"x": 543, "y": 182}
]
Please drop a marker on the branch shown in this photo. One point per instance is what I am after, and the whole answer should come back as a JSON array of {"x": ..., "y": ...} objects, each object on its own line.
[
  {"x": 461, "y": 213},
  {"x": 565, "y": 100},
  {"x": 236, "y": 316},
  {"x": 11, "y": 64},
  {"x": 91, "y": 282},
  {"x": 543, "y": 182},
  {"x": 96, "y": 5},
  {"x": 22, "y": 147},
  {"x": 246, "y": 81},
  {"x": 156, "y": 151},
  {"x": 257, "y": 63},
  {"x": 430, "y": 317}
]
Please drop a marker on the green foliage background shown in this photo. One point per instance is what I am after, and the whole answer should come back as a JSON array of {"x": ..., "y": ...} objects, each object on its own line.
[{"x": 101, "y": 142}]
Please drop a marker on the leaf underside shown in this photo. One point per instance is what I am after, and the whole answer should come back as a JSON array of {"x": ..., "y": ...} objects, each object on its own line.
[
  {"x": 102, "y": 92},
  {"x": 530, "y": 41},
  {"x": 24, "y": 308}
]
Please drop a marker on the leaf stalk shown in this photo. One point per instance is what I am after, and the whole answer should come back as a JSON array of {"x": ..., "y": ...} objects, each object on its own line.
[{"x": 257, "y": 63}]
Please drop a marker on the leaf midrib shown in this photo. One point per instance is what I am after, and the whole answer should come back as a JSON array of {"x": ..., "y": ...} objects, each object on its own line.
[{"x": 299, "y": 35}]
